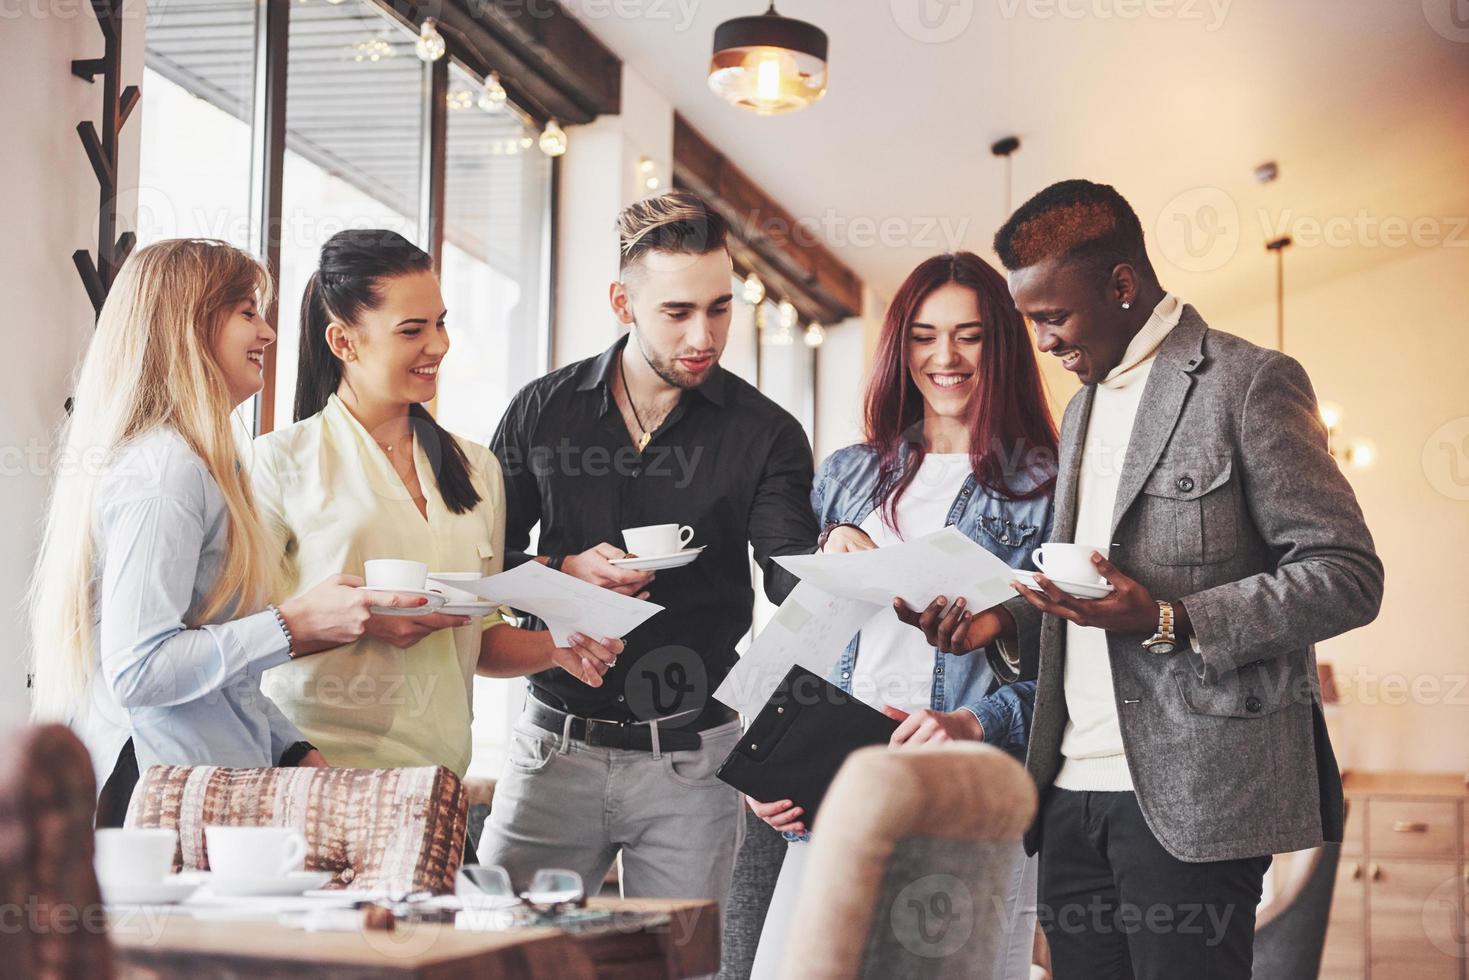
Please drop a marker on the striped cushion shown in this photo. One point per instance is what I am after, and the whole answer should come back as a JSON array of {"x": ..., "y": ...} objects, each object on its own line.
[{"x": 390, "y": 829}]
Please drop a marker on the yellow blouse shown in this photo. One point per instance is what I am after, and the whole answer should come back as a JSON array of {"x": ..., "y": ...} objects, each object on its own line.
[{"x": 332, "y": 500}]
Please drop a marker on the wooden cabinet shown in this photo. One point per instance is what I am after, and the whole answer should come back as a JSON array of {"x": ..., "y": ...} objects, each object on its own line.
[
  {"x": 1399, "y": 910},
  {"x": 1345, "y": 955}
]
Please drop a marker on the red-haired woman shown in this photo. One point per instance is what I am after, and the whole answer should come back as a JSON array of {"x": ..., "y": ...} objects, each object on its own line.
[{"x": 957, "y": 433}]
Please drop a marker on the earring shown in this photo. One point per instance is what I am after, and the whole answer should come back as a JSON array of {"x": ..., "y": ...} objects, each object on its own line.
[{"x": 1127, "y": 306}]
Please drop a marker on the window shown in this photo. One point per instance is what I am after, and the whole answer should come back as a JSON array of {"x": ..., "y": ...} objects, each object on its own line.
[
  {"x": 497, "y": 194},
  {"x": 495, "y": 278},
  {"x": 357, "y": 99},
  {"x": 194, "y": 168},
  {"x": 355, "y": 102}
]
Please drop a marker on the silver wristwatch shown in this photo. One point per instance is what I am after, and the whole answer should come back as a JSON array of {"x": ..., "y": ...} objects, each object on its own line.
[{"x": 1163, "y": 641}]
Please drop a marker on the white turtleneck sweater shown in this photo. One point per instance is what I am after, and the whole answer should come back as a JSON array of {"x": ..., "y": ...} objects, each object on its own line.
[{"x": 1091, "y": 747}]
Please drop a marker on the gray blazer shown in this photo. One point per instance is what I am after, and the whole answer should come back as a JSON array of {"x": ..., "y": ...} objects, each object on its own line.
[{"x": 1229, "y": 501}]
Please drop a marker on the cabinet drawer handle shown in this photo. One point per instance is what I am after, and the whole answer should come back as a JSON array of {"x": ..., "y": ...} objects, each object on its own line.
[
  {"x": 1375, "y": 870},
  {"x": 1409, "y": 827},
  {"x": 1357, "y": 871}
]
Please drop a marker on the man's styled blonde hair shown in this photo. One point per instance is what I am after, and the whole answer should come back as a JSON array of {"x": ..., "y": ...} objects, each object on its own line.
[{"x": 678, "y": 221}]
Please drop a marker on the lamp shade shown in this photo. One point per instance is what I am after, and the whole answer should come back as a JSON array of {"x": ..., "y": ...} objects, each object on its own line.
[{"x": 768, "y": 63}]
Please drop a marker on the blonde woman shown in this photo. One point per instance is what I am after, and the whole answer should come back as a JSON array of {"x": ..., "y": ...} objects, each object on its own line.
[
  {"x": 367, "y": 473},
  {"x": 148, "y": 618}
]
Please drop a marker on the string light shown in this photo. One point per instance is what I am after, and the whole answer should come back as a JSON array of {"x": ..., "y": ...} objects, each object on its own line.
[
  {"x": 553, "y": 140},
  {"x": 815, "y": 335},
  {"x": 753, "y": 291},
  {"x": 788, "y": 314},
  {"x": 430, "y": 44},
  {"x": 492, "y": 98},
  {"x": 371, "y": 50},
  {"x": 461, "y": 98}
]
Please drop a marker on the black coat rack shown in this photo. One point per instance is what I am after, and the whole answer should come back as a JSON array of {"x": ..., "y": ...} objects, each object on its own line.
[{"x": 117, "y": 105}]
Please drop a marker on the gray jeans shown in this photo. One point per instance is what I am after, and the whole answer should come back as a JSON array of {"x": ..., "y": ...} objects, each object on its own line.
[{"x": 565, "y": 804}]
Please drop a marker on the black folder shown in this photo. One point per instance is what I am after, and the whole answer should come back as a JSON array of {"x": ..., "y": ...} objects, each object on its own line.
[{"x": 798, "y": 741}]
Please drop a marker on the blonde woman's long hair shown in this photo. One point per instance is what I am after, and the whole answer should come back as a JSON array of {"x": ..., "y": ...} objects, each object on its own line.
[{"x": 150, "y": 366}]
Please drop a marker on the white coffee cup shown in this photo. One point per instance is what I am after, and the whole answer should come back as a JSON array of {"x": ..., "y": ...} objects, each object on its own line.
[
  {"x": 1068, "y": 562},
  {"x": 395, "y": 574},
  {"x": 134, "y": 855},
  {"x": 254, "y": 852},
  {"x": 656, "y": 540},
  {"x": 442, "y": 585}
]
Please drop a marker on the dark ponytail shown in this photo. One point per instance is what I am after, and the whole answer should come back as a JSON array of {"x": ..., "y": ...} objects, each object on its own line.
[{"x": 347, "y": 282}]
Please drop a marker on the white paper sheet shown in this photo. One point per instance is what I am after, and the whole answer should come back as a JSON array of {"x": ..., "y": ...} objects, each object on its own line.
[
  {"x": 564, "y": 603},
  {"x": 811, "y": 628},
  {"x": 944, "y": 563}
]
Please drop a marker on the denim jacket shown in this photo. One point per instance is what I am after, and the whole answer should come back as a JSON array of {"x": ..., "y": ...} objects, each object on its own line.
[{"x": 844, "y": 493}]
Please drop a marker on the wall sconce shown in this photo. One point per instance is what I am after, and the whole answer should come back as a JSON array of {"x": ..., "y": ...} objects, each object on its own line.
[
  {"x": 648, "y": 179},
  {"x": 1358, "y": 453}
]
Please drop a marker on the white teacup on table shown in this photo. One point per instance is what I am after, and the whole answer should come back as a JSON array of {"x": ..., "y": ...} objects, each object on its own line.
[
  {"x": 403, "y": 576},
  {"x": 133, "y": 865},
  {"x": 1070, "y": 567},
  {"x": 259, "y": 861}
]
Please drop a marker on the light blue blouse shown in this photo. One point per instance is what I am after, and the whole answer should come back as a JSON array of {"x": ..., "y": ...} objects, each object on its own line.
[{"x": 185, "y": 696}]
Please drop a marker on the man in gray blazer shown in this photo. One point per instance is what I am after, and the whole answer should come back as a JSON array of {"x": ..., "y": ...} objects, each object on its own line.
[{"x": 1178, "y": 739}]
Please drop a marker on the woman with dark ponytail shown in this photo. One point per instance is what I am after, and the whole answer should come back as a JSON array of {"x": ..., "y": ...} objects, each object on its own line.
[{"x": 366, "y": 472}]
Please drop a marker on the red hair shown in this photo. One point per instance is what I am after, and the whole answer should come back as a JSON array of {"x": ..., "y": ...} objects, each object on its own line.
[{"x": 1011, "y": 432}]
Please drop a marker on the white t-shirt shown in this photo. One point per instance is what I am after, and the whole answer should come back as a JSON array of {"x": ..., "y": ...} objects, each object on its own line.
[{"x": 894, "y": 661}]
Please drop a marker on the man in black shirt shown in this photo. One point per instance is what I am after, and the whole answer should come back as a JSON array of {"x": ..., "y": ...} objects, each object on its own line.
[{"x": 651, "y": 431}]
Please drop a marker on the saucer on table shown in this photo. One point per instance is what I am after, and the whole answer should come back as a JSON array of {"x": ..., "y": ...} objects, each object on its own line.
[
  {"x": 166, "y": 891},
  {"x": 274, "y": 886}
]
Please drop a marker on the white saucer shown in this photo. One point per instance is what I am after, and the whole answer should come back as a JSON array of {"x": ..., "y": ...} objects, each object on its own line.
[
  {"x": 654, "y": 563},
  {"x": 483, "y": 607},
  {"x": 435, "y": 601},
  {"x": 1082, "y": 590},
  {"x": 292, "y": 883},
  {"x": 167, "y": 891}
]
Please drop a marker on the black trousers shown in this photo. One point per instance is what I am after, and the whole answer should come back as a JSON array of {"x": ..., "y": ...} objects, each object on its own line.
[{"x": 1116, "y": 906}]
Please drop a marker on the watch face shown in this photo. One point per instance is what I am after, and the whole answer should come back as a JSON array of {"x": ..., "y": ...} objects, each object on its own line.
[{"x": 1161, "y": 647}]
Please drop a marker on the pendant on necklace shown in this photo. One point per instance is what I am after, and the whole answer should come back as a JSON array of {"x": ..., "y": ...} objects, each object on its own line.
[{"x": 643, "y": 440}]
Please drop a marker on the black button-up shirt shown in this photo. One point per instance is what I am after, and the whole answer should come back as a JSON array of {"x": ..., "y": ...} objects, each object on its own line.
[{"x": 727, "y": 461}]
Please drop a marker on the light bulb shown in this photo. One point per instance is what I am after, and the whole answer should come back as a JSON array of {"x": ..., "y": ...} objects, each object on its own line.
[
  {"x": 788, "y": 314},
  {"x": 430, "y": 44},
  {"x": 1330, "y": 414},
  {"x": 651, "y": 183},
  {"x": 1362, "y": 453},
  {"x": 783, "y": 336},
  {"x": 461, "y": 98},
  {"x": 553, "y": 140},
  {"x": 492, "y": 97},
  {"x": 753, "y": 292},
  {"x": 646, "y": 165},
  {"x": 815, "y": 335}
]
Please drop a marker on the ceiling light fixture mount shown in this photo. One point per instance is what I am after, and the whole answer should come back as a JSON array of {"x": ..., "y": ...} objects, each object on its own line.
[{"x": 768, "y": 64}]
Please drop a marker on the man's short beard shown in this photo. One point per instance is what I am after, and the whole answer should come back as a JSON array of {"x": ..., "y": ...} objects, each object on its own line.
[{"x": 669, "y": 373}]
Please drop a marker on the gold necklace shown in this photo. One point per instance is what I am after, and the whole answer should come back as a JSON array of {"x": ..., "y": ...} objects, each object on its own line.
[{"x": 647, "y": 435}]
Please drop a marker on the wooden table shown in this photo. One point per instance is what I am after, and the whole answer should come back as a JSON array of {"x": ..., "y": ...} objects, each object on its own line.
[{"x": 160, "y": 946}]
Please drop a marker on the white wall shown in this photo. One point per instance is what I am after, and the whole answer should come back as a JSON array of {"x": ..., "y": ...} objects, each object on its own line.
[
  {"x": 47, "y": 211},
  {"x": 600, "y": 177},
  {"x": 1390, "y": 345}
]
